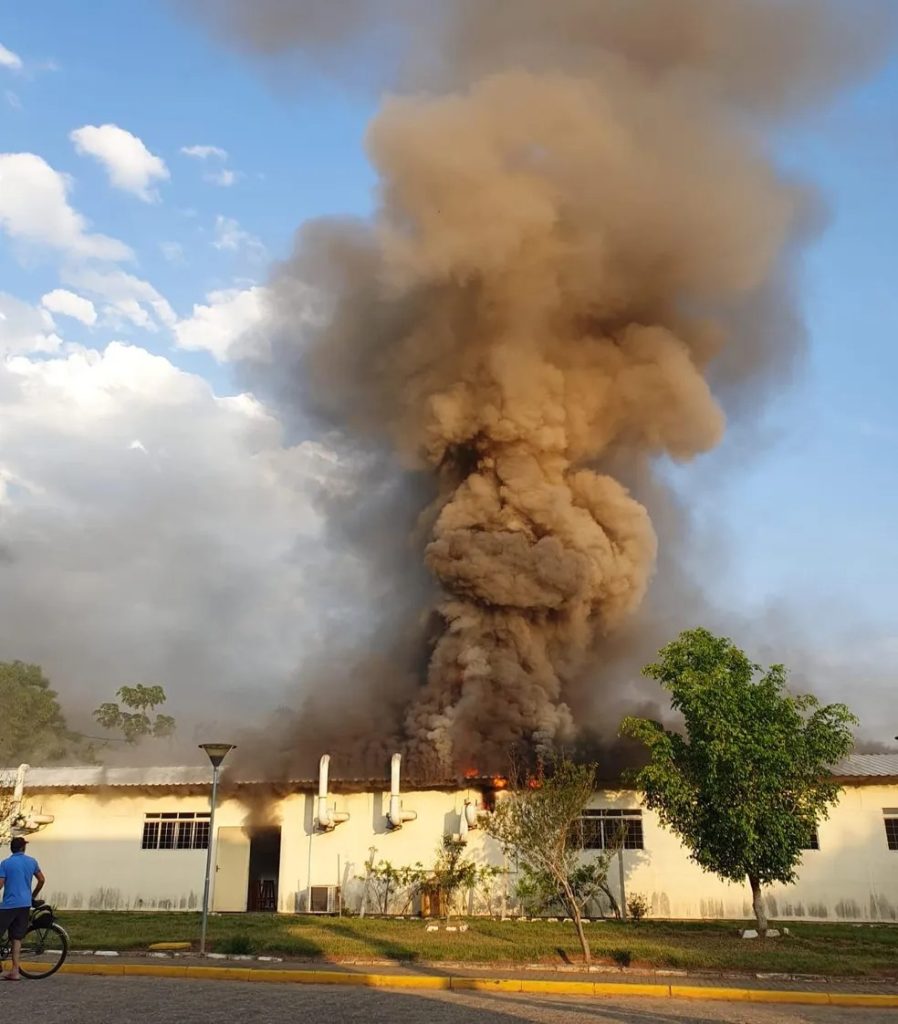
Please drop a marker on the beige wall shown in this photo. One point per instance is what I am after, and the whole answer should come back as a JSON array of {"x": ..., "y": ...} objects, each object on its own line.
[{"x": 92, "y": 857}]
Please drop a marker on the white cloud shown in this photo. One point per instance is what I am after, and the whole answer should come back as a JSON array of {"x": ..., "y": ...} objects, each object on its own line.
[
  {"x": 128, "y": 298},
  {"x": 24, "y": 329},
  {"x": 12, "y": 99},
  {"x": 226, "y": 326},
  {"x": 10, "y": 60},
  {"x": 230, "y": 237},
  {"x": 173, "y": 252},
  {"x": 204, "y": 152},
  {"x": 129, "y": 165},
  {"x": 225, "y": 177},
  {"x": 152, "y": 530},
  {"x": 34, "y": 208},
  {"x": 67, "y": 303}
]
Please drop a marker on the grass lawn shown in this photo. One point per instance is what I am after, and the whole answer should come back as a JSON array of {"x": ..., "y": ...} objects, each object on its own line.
[{"x": 810, "y": 949}]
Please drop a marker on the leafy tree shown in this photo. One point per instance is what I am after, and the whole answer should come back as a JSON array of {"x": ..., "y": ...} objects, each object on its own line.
[
  {"x": 132, "y": 718},
  {"x": 747, "y": 783},
  {"x": 540, "y": 828},
  {"x": 32, "y": 725},
  {"x": 454, "y": 873},
  {"x": 387, "y": 882},
  {"x": 539, "y": 892}
]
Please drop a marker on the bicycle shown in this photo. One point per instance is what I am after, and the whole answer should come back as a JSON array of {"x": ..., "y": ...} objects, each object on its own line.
[{"x": 44, "y": 947}]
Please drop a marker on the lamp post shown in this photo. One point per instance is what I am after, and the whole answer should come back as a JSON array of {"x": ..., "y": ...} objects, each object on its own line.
[{"x": 216, "y": 752}]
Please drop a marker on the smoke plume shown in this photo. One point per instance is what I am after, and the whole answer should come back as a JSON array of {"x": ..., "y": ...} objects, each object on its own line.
[{"x": 582, "y": 248}]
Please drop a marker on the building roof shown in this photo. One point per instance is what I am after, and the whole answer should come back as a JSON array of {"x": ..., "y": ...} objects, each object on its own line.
[
  {"x": 855, "y": 767},
  {"x": 867, "y": 766},
  {"x": 96, "y": 776}
]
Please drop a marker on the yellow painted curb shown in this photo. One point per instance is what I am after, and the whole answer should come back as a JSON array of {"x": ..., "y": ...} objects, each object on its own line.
[
  {"x": 862, "y": 999},
  {"x": 621, "y": 988},
  {"x": 467, "y": 983},
  {"x": 169, "y": 945},
  {"x": 763, "y": 995},
  {"x": 701, "y": 992},
  {"x": 561, "y": 988},
  {"x": 486, "y": 984},
  {"x": 154, "y": 970}
]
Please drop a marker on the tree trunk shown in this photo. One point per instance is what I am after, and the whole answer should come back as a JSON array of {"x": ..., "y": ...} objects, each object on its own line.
[
  {"x": 757, "y": 902},
  {"x": 574, "y": 909}
]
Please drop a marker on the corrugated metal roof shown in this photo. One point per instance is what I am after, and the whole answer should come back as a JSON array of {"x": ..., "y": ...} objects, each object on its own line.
[
  {"x": 97, "y": 776},
  {"x": 856, "y": 766},
  {"x": 867, "y": 766}
]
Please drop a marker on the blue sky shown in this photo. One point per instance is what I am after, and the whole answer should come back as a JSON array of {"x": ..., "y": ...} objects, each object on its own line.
[{"x": 809, "y": 519}]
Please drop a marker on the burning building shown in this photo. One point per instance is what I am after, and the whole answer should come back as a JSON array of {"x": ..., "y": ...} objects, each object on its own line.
[{"x": 136, "y": 839}]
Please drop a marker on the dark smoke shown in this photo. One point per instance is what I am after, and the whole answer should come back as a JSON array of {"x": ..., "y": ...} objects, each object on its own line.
[{"x": 580, "y": 262}]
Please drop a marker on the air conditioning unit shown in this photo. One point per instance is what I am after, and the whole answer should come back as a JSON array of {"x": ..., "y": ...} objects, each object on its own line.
[{"x": 323, "y": 899}]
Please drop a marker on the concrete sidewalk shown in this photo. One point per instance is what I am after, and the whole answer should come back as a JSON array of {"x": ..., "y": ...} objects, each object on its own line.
[{"x": 757, "y": 989}]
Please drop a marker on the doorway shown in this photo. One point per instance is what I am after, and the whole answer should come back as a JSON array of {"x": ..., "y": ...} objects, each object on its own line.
[
  {"x": 232, "y": 856},
  {"x": 264, "y": 869}
]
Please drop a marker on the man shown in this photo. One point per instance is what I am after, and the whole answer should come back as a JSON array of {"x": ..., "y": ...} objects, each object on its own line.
[{"x": 16, "y": 876}]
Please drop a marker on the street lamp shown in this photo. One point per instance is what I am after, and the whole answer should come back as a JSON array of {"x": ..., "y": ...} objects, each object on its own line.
[{"x": 216, "y": 752}]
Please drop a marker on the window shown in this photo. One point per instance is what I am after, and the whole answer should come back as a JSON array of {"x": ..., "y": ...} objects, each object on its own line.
[
  {"x": 175, "y": 831},
  {"x": 890, "y": 816},
  {"x": 601, "y": 828},
  {"x": 814, "y": 842}
]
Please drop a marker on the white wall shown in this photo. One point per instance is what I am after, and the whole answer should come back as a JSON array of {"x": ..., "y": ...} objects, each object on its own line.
[{"x": 92, "y": 857}]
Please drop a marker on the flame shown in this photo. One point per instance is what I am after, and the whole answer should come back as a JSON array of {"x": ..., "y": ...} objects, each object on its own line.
[
  {"x": 499, "y": 782},
  {"x": 471, "y": 773}
]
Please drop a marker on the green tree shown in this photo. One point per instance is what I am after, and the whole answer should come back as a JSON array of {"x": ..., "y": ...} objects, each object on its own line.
[
  {"x": 32, "y": 725},
  {"x": 454, "y": 873},
  {"x": 746, "y": 785},
  {"x": 132, "y": 715},
  {"x": 539, "y": 827}
]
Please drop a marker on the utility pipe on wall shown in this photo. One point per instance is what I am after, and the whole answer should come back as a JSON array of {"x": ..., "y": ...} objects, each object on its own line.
[
  {"x": 328, "y": 818},
  {"x": 396, "y": 816}
]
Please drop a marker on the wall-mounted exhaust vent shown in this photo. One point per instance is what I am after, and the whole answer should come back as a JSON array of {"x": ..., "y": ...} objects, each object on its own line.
[
  {"x": 471, "y": 814},
  {"x": 396, "y": 816},
  {"x": 328, "y": 817}
]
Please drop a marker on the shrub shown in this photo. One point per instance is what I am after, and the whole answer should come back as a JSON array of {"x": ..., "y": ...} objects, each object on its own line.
[
  {"x": 637, "y": 907},
  {"x": 237, "y": 945}
]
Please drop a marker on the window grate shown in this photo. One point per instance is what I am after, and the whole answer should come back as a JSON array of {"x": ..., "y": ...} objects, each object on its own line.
[
  {"x": 892, "y": 832},
  {"x": 183, "y": 830},
  {"x": 600, "y": 829}
]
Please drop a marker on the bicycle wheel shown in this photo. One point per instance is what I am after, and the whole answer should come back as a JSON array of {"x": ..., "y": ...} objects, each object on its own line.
[{"x": 43, "y": 950}]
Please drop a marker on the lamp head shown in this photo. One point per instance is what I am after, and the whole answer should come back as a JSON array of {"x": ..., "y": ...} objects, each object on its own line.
[{"x": 216, "y": 752}]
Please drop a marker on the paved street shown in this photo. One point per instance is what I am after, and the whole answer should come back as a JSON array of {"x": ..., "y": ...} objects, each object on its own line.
[{"x": 97, "y": 1000}]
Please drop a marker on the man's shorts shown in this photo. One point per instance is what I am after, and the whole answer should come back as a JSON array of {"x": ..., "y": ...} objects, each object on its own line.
[{"x": 16, "y": 920}]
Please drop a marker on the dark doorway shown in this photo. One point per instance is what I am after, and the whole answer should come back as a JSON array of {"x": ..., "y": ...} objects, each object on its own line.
[{"x": 264, "y": 869}]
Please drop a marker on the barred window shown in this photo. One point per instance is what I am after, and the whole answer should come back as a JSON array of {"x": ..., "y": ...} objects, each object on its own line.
[
  {"x": 600, "y": 829},
  {"x": 891, "y": 823},
  {"x": 814, "y": 842},
  {"x": 186, "y": 830}
]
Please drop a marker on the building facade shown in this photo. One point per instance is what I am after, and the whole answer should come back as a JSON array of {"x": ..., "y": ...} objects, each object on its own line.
[{"x": 136, "y": 839}]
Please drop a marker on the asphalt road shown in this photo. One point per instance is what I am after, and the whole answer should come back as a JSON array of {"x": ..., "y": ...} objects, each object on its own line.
[{"x": 97, "y": 1000}]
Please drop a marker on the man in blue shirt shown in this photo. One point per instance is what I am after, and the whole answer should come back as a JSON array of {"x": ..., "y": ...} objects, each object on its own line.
[{"x": 16, "y": 876}]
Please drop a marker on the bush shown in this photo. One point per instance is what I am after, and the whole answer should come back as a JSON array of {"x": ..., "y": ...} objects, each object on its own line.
[
  {"x": 622, "y": 957},
  {"x": 237, "y": 945},
  {"x": 637, "y": 907}
]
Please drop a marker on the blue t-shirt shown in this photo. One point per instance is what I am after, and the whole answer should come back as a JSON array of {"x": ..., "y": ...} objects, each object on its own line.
[{"x": 18, "y": 872}]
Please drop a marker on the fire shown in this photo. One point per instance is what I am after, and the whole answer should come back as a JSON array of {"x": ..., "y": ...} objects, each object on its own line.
[
  {"x": 499, "y": 782},
  {"x": 471, "y": 773}
]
